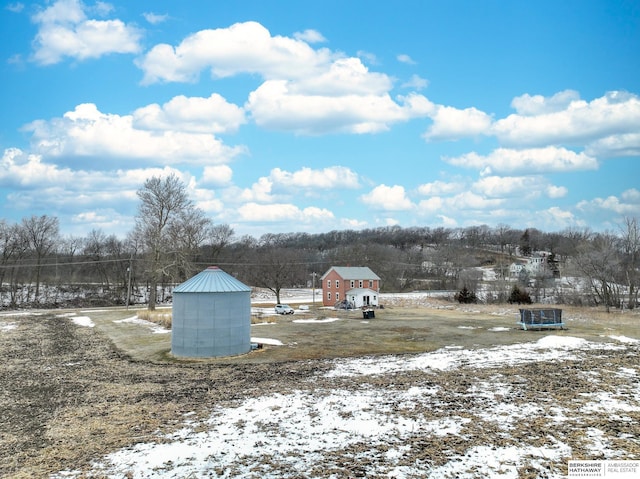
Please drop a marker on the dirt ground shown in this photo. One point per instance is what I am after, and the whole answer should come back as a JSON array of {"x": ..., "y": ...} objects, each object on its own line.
[{"x": 71, "y": 394}]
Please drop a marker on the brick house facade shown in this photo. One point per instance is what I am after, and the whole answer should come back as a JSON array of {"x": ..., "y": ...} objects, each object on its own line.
[{"x": 353, "y": 287}]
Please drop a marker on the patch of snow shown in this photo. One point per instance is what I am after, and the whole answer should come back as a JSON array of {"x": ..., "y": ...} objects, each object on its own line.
[
  {"x": 83, "y": 321},
  {"x": 604, "y": 401},
  {"x": 325, "y": 320},
  {"x": 297, "y": 430},
  {"x": 8, "y": 326},
  {"x": 499, "y": 329},
  {"x": 566, "y": 342},
  {"x": 469, "y": 327},
  {"x": 545, "y": 349},
  {"x": 625, "y": 339},
  {"x": 503, "y": 462},
  {"x": 600, "y": 446},
  {"x": 21, "y": 313},
  {"x": 272, "y": 342},
  {"x": 156, "y": 329},
  {"x": 627, "y": 373}
]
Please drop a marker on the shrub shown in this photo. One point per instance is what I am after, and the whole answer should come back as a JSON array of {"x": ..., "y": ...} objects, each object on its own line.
[
  {"x": 466, "y": 296},
  {"x": 519, "y": 296}
]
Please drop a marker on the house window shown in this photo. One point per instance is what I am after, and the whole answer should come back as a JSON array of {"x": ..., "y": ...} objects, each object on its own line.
[
  {"x": 369, "y": 284},
  {"x": 353, "y": 283},
  {"x": 360, "y": 284},
  {"x": 337, "y": 296},
  {"x": 337, "y": 285},
  {"x": 329, "y": 284},
  {"x": 329, "y": 296}
]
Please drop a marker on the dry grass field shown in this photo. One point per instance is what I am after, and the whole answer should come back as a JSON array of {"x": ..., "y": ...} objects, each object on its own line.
[{"x": 73, "y": 392}]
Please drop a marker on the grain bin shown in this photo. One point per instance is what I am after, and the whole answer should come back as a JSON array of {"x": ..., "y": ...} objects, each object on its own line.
[{"x": 211, "y": 316}]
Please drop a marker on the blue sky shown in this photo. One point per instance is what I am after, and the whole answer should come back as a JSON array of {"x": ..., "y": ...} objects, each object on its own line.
[{"x": 288, "y": 116}]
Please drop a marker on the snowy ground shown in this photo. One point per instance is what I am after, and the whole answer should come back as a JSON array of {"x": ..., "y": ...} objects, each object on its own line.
[
  {"x": 516, "y": 411},
  {"x": 298, "y": 433}
]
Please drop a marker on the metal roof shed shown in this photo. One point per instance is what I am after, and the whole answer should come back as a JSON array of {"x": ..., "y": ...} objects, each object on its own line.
[{"x": 211, "y": 316}]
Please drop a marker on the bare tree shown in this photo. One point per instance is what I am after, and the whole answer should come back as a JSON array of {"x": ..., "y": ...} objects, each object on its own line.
[
  {"x": 164, "y": 208},
  {"x": 14, "y": 249},
  {"x": 95, "y": 250},
  {"x": 599, "y": 262},
  {"x": 187, "y": 234},
  {"x": 219, "y": 237},
  {"x": 631, "y": 258},
  {"x": 42, "y": 233},
  {"x": 277, "y": 268}
]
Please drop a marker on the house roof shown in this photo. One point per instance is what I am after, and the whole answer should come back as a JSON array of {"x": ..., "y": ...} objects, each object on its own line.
[
  {"x": 212, "y": 280},
  {"x": 353, "y": 272}
]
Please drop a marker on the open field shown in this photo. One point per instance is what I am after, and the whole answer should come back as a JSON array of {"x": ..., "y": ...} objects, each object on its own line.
[{"x": 426, "y": 389}]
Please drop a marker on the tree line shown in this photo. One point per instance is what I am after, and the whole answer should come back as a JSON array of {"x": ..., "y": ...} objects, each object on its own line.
[{"x": 173, "y": 239}]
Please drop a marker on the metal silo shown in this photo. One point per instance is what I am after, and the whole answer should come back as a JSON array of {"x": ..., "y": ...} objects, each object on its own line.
[{"x": 211, "y": 316}]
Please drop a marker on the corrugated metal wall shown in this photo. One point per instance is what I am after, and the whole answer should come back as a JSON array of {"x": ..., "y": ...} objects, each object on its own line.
[{"x": 211, "y": 324}]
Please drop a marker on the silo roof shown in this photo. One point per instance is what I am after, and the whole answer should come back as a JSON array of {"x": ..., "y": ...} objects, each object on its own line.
[{"x": 212, "y": 280}]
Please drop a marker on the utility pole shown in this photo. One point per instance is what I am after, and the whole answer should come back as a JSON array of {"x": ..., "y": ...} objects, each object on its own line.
[
  {"x": 129, "y": 280},
  {"x": 313, "y": 287}
]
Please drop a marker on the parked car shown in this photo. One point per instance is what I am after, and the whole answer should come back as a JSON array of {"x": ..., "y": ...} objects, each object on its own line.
[{"x": 284, "y": 309}]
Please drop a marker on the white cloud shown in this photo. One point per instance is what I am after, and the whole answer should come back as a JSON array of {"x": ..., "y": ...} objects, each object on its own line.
[
  {"x": 261, "y": 191},
  {"x": 555, "y": 218},
  {"x": 328, "y": 178},
  {"x": 353, "y": 224},
  {"x": 525, "y": 187},
  {"x": 431, "y": 205},
  {"x": 416, "y": 83},
  {"x": 154, "y": 18},
  {"x": 65, "y": 31},
  {"x": 505, "y": 186},
  {"x": 447, "y": 221},
  {"x": 282, "y": 184},
  {"x": 305, "y": 91},
  {"x": 632, "y": 196},
  {"x": 579, "y": 123},
  {"x": 628, "y": 204},
  {"x": 191, "y": 114},
  {"x": 460, "y": 205},
  {"x": 275, "y": 106},
  {"x": 206, "y": 200},
  {"x": 16, "y": 7},
  {"x": 219, "y": 175},
  {"x": 368, "y": 57},
  {"x": 556, "y": 191},
  {"x": 344, "y": 76},
  {"x": 615, "y": 146},
  {"x": 534, "y": 160},
  {"x": 282, "y": 212},
  {"x": 388, "y": 198},
  {"x": 87, "y": 132},
  {"x": 22, "y": 169},
  {"x": 437, "y": 188},
  {"x": 106, "y": 219},
  {"x": 451, "y": 123},
  {"x": 40, "y": 185},
  {"x": 310, "y": 36},
  {"x": 472, "y": 201},
  {"x": 528, "y": 105},
  {"x": 404, "y": 58},
  {"x": 241, "y": 48}
]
